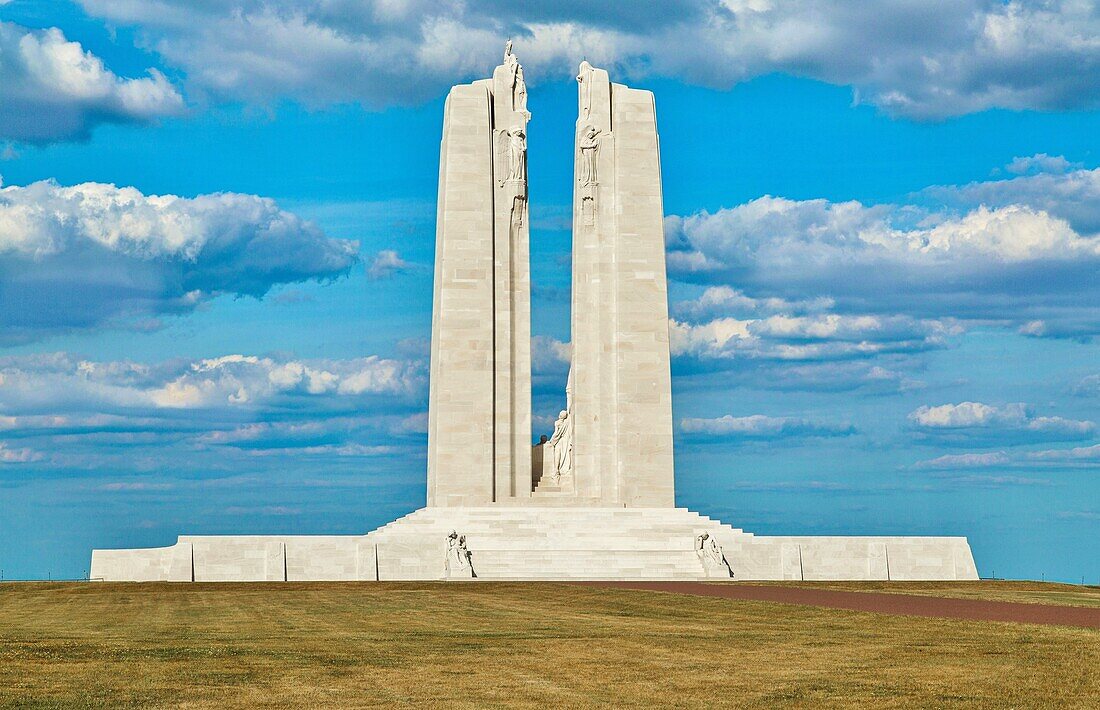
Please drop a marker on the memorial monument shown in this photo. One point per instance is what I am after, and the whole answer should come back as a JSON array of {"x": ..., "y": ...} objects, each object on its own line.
[{"x": 595, "y": 499}]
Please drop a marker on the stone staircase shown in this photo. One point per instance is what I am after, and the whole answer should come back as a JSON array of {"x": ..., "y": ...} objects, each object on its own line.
[{"x": 513, "y": 542}]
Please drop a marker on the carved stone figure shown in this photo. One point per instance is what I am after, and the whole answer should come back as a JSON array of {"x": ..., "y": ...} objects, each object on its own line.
[
  {"x": 519, "y": 87},
  {"x": 519, "y": 94},
  {"x": 584, "y": 78},
  {"x": 517, "y": 145},
  {"x": 711, "y": 555},
  {"x": 459, "y": 561},
  {"x": 589, "y": 144},
  {"x": 512, "y": 152},
  {"x": 561, "y": 443}
]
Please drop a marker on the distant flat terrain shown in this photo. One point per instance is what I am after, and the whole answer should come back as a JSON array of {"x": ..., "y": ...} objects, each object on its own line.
[{"x": 516, "y": 645}]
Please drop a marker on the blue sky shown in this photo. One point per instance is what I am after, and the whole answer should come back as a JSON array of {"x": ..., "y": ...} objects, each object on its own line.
[{"x": 217, "y": 225}]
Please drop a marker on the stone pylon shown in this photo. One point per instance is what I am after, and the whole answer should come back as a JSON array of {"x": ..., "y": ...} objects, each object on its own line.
[
  {"x": 479, "y": 414},
  {"x": 622, "y": 391}
]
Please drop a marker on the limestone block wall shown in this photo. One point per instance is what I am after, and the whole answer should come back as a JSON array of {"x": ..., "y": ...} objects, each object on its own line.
[
  {"x": 622, "y": 383},
  {"x": 460, "y": 412},
  {"x": 643, "y": 406},
  {"x": 479, "y": 414},
  {"x": 541, "y": 543}
]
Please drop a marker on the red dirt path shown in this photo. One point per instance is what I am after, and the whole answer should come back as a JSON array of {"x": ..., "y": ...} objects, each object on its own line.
[{"x": 881, "y": 603}]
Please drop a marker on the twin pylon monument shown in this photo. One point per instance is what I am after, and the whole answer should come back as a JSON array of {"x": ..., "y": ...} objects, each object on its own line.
[
  {"x": 613, "y": 445},
  {"x": 596, "y": 499}
]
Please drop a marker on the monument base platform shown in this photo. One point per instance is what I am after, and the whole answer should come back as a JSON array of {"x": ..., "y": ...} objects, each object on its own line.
[{"x": 537, "y": 543}]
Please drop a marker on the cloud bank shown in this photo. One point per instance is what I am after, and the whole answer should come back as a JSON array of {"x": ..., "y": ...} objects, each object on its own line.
[
  {"x": 759, "y": 426},
  {"x": 1022, "y": 253},
  {"x": 95, "y": 255},
  {"x": 924, "y": 61},
  {"x": 969, "y": 421},
  {"x": 64, "y": 412}
]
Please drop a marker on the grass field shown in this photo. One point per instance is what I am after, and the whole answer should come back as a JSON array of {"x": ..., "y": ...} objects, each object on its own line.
[
  {"x": 1026, "y": 592},
  {"x": 517, "y": 645}
]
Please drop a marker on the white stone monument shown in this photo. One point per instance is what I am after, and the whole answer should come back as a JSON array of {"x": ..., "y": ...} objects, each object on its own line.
[{"x": 596, "y": 501}]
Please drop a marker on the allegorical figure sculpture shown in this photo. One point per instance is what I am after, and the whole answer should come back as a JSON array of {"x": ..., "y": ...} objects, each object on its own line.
[
  {"x": 519, "y": 87},
  {"x": 512, "y": 152},
  {"x": 711, "y": 555},
  {"x": 561, "y": 444},
  {"x": 589, "y": 144},
  {"x": 459, "y": 561},
  {"x": 584, "y": 78}
]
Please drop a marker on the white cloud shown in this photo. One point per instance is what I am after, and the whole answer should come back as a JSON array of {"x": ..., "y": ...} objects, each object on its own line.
[
  {"x": 912, "y": 59},
  {"x": 802, "y": 338},
  {"x": 1088, "y": 386},
  {"x": 1019, "y": 253},
  {"x": 1079, "y": 454},
  {"x": 16, "y": 456},
  {"x": 385, "y": 264},
  {"x": 58, "y": 381},
  {"x": 94, "y": 254},
  {"x": 1078, "y": 457},
  {"x": 549, "y": 355},
  {"x": 759, "y": 426},
  {"x": 1040, "y": 163},
  {"x": 969, "y": 414},
  {"x": 53, "y": 89},
  {"x": 958, "y": 461},
  {"x": 978, "y": 420},
  {"x": 211, "y": 415}
]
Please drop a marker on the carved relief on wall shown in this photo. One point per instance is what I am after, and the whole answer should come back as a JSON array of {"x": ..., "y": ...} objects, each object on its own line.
[
  {"x": 588, "y": 209},
  {"x": 589, "y": 144},
  {"x": 511, "y": 155}
]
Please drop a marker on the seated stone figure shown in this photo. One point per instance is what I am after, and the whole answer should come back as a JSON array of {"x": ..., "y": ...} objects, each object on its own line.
[
  {"x": 459, "y": 561},
  {"x": 711, "y": 555}
]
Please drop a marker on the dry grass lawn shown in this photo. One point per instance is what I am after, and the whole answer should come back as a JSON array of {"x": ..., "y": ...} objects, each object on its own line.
[
  {"x": 1003, "y": 591},
  {"x": 510, "y": 645}
]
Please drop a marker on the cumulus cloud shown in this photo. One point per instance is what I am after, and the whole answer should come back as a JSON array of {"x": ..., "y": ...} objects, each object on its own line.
[
  {"x": 34, "y": 383},
  {"x": 800, "y": 338},
  {"x": 966, "y": 421},
  {"x": 95, "y": 254},
  {"x": 922, "y": 61},
  {"x": 549, "y": 355},
  {"x": 759, "y": 426},
  {"x": 53, "y": 89},
  {"x": 1040, "y": 163},
  {"x": 215, "y": 413},
  {"x": 1021, "y": 253},
  {"x": 385, "y": 264}
]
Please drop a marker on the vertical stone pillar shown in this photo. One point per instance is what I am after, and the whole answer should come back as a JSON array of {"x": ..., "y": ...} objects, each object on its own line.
[
  {"x": 622, "y": 384},
  {"x": 512, "y": 285},
  {"x": 479, "y": 412},
  {"x": 460, "y": 409},
  {"x": 643, "y": 414},
  {"x": 593, "y": 310}
]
